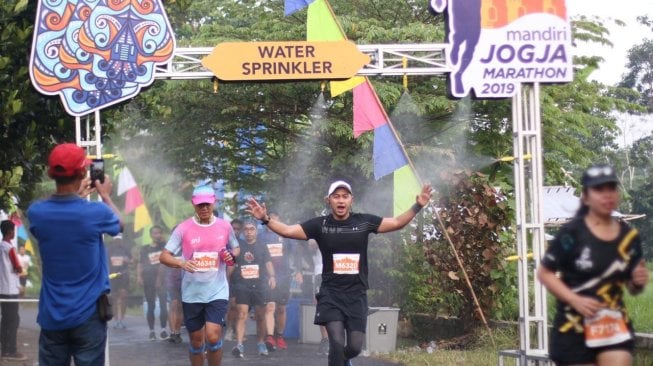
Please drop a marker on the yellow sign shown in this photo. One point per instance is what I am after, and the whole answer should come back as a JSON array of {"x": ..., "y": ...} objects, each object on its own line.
[{"x": 285, "y": 60}]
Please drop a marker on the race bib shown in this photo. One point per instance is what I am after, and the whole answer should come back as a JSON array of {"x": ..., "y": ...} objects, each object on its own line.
[
  {"x": 606, "y": 328},
  {"x": 154, "y": 257},
  {"x": 117, "y": 261},
  {"x": 346, "y": 263},
  {"x": 206, "y": 261},
  {"x": 249, "y": 271},
  {"x": 275, "y": 249}
]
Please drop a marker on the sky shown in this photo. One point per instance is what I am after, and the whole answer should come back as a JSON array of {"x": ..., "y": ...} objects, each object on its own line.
[{"x": 623, "y": 38}]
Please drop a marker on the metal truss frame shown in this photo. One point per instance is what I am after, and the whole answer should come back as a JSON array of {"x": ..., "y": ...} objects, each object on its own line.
[
  {"x": 386, "y": 59},
  {"x": 429, "y": 59}
]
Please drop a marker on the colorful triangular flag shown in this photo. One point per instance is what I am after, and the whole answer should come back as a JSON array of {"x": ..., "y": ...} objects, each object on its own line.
[
  {"x": 291, "y": 6},
  {"x": 387, "y": 152},
  {"x": 134, "y": 201},
  {"x": 406, "y": 188},
  {"x": 368, "y": 114},
  {"x": 321, "y": 25}
]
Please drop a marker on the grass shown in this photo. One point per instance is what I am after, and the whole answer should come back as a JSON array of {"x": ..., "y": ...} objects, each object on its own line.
[
  {"x": 480, "y": 352},
  {"x": 639, "y": 309}
]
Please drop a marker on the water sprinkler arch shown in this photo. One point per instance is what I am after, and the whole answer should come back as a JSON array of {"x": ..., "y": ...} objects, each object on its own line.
[{"x": 429, "y": 59}]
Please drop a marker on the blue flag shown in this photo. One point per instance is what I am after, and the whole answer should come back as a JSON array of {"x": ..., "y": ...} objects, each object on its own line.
[
  {"x": 387, "y": 153},
  {"x": 292, "y": 6}
]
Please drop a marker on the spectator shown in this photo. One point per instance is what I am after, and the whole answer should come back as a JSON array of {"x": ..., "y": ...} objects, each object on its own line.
[{"x": 10, "y": 270}]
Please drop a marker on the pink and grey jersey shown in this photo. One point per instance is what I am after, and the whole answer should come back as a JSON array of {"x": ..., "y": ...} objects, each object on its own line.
[{"x": 202, "y": 243}]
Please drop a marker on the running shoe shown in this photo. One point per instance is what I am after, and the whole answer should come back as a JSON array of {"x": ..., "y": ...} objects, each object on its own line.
[
  {"x": 262, "y": 349},
  {"x": 152, "y": 336},
  {"x": 281, "y": 343},
  {"x": 163, "y": 334},
  {"x": 270, "y": 343},
  {"x": 324, "y": 347},
  {"x": 178, "y": 338},
  {"x": 238, "y": 351},
  {"x": 348, "y": 363}
]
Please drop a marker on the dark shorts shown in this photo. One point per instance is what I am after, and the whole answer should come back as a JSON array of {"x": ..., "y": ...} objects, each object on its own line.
[
  {"x": 196, "y": 315},
  {"x": 120, "y": 283},
  {"x": 281, "y": 292},
  {"x": 347, "y": 307},
  {"x": 246, "y": 295},
  {"x": 569, "y": 348}
]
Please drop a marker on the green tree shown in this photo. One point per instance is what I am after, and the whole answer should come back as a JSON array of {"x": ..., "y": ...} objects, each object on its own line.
[
  {"x": 30, "y": 122},
  {"x": 284, "y": 141}
]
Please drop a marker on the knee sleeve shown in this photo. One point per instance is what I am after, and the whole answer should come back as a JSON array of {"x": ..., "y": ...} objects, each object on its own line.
[
  {"x": 196, "y": 351},
  {"x": 215, "y": 347}
]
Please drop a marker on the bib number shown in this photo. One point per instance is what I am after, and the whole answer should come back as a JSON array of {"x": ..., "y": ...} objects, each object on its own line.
[
  {"x": 206, "y": 261},
  {"x": 154, "y": 257},
  {"x": 249, "y": 271},
  {"x": 346, "y": 263},
  {"x": 606, "y": 328},
  {"x": 275, "y": 249}
]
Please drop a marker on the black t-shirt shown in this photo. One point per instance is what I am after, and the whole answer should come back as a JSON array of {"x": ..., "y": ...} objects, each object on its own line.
[
  {"x": 119, "y": 255},
  {"x": 592, "y": 267},
  {"x": 279, "y": 249},
  {"x": 250, "y": 270},
  {"x": 343, "y": 245},
  {"x": 150, "y": 261}
]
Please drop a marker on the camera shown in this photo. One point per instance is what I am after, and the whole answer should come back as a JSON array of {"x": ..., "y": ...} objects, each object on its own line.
[{"x": 97, "y": 171}]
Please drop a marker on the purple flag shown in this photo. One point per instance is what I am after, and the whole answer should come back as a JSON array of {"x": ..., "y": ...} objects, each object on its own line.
[{"x": 388, "y": 154}]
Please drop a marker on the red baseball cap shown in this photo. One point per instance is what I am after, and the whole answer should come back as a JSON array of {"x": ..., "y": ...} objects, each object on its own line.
[{"x": 66, "y": 160}]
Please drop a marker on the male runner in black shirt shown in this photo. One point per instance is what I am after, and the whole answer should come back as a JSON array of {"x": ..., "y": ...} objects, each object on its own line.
[{"x": 342, "y": 237}]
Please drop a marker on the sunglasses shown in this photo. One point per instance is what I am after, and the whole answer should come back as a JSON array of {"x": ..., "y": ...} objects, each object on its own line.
[{"x": 597, "y": 171}]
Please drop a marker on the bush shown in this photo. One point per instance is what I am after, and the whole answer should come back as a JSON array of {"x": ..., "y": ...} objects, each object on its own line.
[{"x": 478, "y": 221}]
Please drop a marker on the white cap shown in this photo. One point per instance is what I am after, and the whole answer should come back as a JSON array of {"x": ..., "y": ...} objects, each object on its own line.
[{"x": 339, "y": 184}]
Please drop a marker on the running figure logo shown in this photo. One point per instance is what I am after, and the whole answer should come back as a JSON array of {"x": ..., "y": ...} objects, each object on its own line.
[{"x": 497, "y": 44}]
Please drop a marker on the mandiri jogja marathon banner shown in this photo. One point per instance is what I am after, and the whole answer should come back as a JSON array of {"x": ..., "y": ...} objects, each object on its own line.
[{"x": 496, "y": 44}]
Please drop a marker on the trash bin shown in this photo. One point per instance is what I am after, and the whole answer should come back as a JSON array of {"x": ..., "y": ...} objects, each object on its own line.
[
  {"x": 309, "y": 332},
  {"x": 381, "y": 334},
  {"x": 293, "y": 317}
]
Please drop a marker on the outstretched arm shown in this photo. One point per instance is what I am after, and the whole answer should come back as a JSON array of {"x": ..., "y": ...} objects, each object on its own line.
[
  {"x": 260, "y": 212},
  {"x": 396, "y": 223}
]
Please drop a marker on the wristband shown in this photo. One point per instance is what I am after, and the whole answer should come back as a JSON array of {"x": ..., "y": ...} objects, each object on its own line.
[
  {"x": 265, "y": 220},
  {"x": 416, "y": 208}
]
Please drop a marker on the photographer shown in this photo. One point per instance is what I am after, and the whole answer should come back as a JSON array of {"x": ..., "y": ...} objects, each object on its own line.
[{"x": 69, "y": 231}]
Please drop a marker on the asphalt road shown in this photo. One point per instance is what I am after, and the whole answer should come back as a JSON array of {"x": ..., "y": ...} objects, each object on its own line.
[{"x": 131, "y": 347}]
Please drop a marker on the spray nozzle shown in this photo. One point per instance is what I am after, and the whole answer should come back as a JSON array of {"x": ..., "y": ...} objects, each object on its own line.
[{"x": 508, "y": 159}]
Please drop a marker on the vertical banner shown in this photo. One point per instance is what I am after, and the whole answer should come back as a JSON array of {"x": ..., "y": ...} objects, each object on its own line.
[{"x": 497, "y": 44}]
